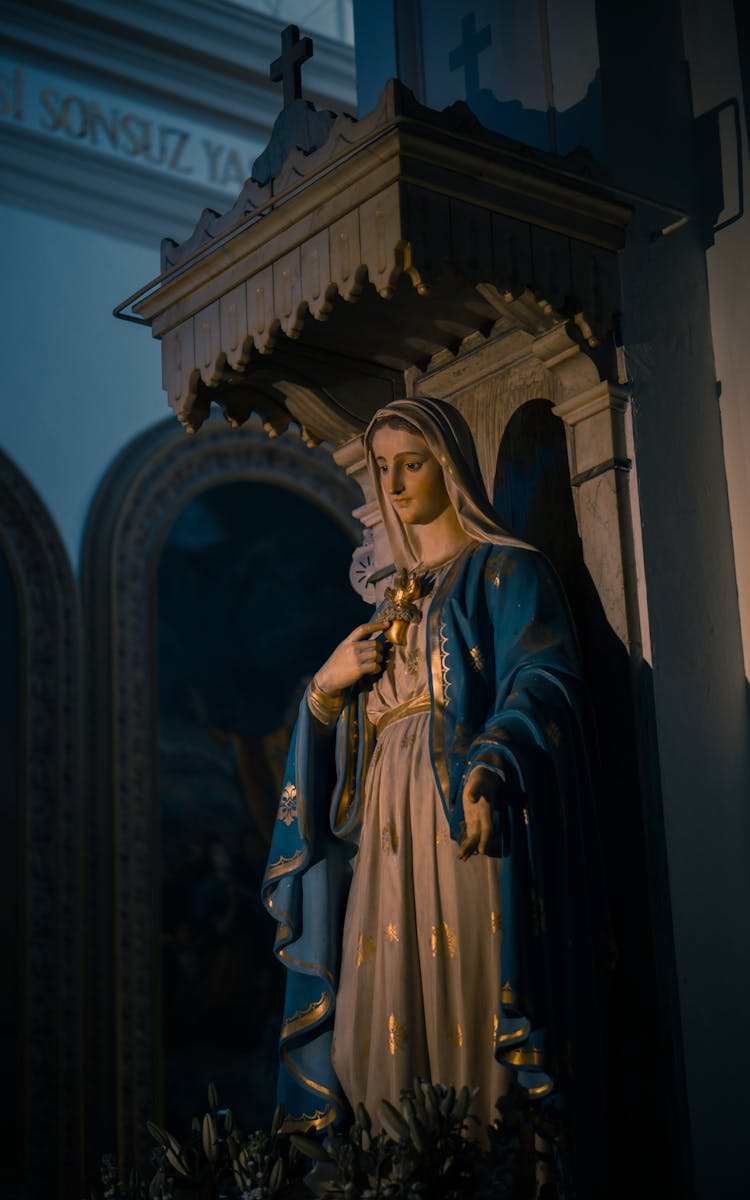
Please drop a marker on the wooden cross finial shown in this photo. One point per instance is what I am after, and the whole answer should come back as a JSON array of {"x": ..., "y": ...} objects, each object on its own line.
[
  {"x": 466, "y": 54},
  {"x": 288, "y": 67}
]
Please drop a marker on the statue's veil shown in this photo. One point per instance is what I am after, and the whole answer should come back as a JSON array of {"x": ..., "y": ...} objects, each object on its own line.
[{"x": 449, "y": 438}]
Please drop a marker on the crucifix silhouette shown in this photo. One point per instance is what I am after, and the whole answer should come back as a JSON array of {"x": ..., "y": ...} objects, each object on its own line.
[
  {"x": 288, "y": 67},
  {"x": 466, "y": 54}
]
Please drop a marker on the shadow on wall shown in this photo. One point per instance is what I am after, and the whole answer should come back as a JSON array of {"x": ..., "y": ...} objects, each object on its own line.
[
  {"x": 718, "y": 147},
  {"x": 576, "y": 131},
  {"x": 532, "y": 492}
]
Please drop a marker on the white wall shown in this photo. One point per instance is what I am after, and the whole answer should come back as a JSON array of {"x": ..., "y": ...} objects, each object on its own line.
[
  {"x": 330, "y": 17},
  {"x": 697, "y": 753},
  {"x": 711, "y": 46},
  {"x": 78, "y": 384}
]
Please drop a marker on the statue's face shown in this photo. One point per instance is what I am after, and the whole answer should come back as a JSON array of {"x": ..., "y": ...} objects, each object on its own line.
[{"x": 412, "y": 476}]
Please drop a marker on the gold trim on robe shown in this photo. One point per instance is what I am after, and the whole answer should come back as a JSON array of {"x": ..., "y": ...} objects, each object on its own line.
[
  {"x": 320, "y": 1119},
  {"x": 438, "y": 660},
  {"x": 310, "y": 1083},
  {"x": 284, "y": 865},
  {"x": 307, "y": 966},
  {"x": 307, "y": 1016},
  {"x": 419, "y": 704}
]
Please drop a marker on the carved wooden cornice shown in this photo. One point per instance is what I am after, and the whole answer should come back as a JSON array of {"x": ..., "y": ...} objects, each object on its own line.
[{"x": 462, "y": 231}]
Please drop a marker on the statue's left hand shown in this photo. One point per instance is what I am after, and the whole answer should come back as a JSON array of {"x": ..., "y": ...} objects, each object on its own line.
[{"x": 481, "y": 793}]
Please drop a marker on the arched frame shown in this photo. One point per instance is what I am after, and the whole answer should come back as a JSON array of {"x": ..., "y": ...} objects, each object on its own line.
[
  {"x": 137, "y": 503},
  {"x": 51, "y": 848}
]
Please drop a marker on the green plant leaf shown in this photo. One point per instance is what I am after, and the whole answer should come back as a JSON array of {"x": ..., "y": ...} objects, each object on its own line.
[
  {"x": 174, "y": 1145},
  {"x": 446, "y": 1104},
  {"x": 175, "y": 1161},
  {"x": 392, "y": 1121},
  {"x": 419, "y": 1099},
  {"x": 415, "y": 1129},
  {"x": 432, "y": 1106},
  {"x": 278, "y": 1117},
  {"x": 462, "y": 1105},
  {"x": 310, "y": 1148},
  {"x": 209, "y": 1138},
  {"x": 156, "y": 1133},
  {"x": 277, "y": 1178}
]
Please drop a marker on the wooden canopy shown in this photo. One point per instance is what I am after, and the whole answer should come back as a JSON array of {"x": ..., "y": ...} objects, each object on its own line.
[{"x": 402, "y": 241}]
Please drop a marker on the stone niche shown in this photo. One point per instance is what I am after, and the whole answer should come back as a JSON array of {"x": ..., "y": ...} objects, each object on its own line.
[
  {"x": 410, "y": 252},
  {"x": 414, "y": 252}
]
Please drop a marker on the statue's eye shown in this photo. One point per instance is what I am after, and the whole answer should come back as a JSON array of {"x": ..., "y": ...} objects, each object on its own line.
[{"x": 414, "y": 466}]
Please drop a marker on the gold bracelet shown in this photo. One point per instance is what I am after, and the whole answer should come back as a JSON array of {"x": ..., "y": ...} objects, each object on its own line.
[{"x": 324, "y": 706}]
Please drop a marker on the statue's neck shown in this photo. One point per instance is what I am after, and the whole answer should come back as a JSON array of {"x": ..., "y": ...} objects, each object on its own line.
[{"x": 441, "y": 539}]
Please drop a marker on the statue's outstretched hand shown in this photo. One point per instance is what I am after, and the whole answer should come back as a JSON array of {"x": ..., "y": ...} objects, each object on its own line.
[
  {"x": 481, "y": 793},
  {"x": 358, "y": 655}
]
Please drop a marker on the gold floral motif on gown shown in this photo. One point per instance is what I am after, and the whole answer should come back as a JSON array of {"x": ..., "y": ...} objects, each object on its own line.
[
  {"x": 389, "y": 838},
  {"x": 365, "y": 949},
  {"x": 397, "y": 1035},
  {"x": 422, "y": 1003},
  {"x": 443, "y": 941}
]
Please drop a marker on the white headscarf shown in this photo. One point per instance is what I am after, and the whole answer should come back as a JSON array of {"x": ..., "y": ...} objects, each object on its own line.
[{"x": 449, "y": 439}]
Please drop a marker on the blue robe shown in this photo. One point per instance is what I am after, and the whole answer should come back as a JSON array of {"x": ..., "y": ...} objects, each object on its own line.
[{"x": 506, "y": 693}]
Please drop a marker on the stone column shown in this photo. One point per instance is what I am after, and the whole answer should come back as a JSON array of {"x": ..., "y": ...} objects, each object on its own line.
[{"x": 597, "y": 422}]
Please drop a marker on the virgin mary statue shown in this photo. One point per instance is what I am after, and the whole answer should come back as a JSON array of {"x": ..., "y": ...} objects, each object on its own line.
[{"x": 433, "y": 870}]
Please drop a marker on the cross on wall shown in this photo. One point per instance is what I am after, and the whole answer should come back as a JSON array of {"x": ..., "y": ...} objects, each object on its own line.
[
  {"x": 466, "y": 54},
  {"x": 287, "y": 68}
]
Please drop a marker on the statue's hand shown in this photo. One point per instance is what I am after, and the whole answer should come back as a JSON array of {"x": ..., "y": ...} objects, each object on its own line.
[
  {"x": 481, "y": 793},
  {"x": 358, "y": 655}
]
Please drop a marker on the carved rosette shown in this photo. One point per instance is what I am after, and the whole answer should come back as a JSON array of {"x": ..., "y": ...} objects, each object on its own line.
[{"x": 363, "y": 565}]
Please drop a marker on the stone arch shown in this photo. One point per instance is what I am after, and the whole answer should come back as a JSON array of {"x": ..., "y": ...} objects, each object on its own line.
[
  {"x": 489, "y": 378},
  {"x": 50, "y": 786},
  {"x": 154, "y": 478}
]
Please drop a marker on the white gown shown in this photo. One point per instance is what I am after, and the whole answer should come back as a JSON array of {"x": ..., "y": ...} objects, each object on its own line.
[{"x": 420, "y": 973}]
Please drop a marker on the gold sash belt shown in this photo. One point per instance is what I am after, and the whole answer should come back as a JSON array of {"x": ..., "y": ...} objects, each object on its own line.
[{"x": 418, "y": 705}]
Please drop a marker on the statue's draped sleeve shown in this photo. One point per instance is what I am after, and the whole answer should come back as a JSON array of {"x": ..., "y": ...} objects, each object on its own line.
[
  {"x": 515, "y": 704},
  {"x": 305, "y": 888}
]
